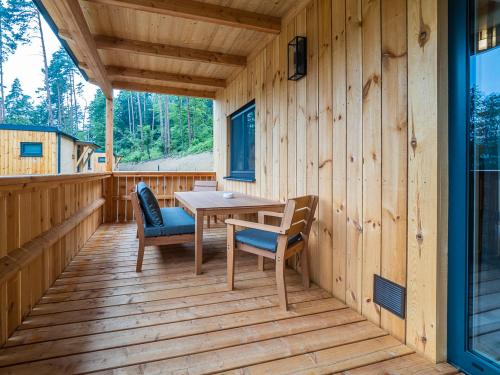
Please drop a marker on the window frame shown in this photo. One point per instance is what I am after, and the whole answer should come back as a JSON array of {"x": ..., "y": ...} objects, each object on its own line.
[
  {"x": 24, "y": 154},
  {"x": 248, "y": 175}
]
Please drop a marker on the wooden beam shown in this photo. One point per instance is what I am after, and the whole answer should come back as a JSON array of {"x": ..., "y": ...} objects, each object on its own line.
[
  {"x": 132, "y": 86},
  {"x": 123, "y": 73},
  {"x": 109, "y": 135},
  {"x": 80, "y": 34},
  {"x": 164, "y": 50},
  {"x": 200, "y": 11}
]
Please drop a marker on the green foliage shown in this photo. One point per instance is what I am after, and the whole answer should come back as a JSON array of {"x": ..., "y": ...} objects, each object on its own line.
[
  {"x": 146, "y": 126},
  {"x": 19, "y": 106},
  {"x": 155, "y": 138}
]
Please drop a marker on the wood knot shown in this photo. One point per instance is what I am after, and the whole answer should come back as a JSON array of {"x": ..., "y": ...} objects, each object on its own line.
[
  {"x": 423, "y": 339},
  {"x": 423, "y": 36},
  {"x": 419, "y": 237},
  {"x": 413, "y": 143}
]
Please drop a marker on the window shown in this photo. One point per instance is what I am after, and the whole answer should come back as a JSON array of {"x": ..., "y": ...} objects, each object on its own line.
[
  {"x": 31, "y": 149},
  {"x": 101, "y": 159},
  {"x": 89, "y": 165},
  {"x": 242, "y": 143}
]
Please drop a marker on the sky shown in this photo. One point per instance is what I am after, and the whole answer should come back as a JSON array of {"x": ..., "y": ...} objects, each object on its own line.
[
  {"x": 487, "y": 71},
  {"x": 27, "y": 64}
]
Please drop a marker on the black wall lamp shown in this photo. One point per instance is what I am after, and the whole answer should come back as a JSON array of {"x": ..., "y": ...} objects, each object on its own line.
[{"x": 297, "y": 58}]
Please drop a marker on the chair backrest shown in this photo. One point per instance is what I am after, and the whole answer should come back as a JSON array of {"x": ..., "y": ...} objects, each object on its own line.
[
  {"x": 299, "y": 215},
  {"x": 205, "y": 185},
  {"x": 136, "y": 206}
]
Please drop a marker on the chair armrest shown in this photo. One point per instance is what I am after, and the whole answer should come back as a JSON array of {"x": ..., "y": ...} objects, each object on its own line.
[
  {"x": 252, "y": 225},
  {"x": 271, "y": 213}
]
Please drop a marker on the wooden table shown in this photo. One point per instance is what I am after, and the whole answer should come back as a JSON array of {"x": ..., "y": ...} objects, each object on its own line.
[{"x": 208, "y": 203}]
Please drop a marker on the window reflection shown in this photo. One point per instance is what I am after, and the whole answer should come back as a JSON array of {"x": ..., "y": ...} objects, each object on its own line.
[{"x": 484, "y": 163}]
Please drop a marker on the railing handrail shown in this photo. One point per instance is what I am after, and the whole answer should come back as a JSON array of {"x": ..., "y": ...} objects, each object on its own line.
[
  {"x": 26, "y": 180},
  {"x": 163, "y": 173},
  {"x": 48, "y": 178}
]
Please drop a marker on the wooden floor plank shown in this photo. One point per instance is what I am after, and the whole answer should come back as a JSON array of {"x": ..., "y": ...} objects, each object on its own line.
[
  {"x": 27, "y": 336},
  {"x": 412, "y": 364},
  {"x": 101, "y": 316},
  {"x": 334, "y": 359},
  {"x": 322, "y": 314}
]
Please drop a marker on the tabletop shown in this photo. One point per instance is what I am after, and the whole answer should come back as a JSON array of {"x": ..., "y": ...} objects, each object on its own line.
[{"x": 214, "y": 200}]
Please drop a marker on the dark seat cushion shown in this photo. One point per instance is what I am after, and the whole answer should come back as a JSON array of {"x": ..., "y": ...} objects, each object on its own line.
[
  {"x": 149, "y": 205},
  {"x": 175, "y": 221},
  {"x": 262, "y": 239}
]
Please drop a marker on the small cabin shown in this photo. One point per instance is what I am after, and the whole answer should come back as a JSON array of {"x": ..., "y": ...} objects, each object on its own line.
[
  {"x": 35, "y": 149},
  {"x": 99, "y": 160}
]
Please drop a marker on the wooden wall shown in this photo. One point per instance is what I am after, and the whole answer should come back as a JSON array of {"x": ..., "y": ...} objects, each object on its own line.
[
  {"x": 11, "y": 163},
  {"x": 363, "y": 132},
  {"x": 44, "y": 222}
]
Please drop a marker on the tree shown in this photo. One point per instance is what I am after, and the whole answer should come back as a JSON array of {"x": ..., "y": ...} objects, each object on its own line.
[
  {"x": 64, "y": 91},
  {"x": 13, "y": 31},
  {"x": 19, "y": 108},
  {"x": 26, "y": 16}
]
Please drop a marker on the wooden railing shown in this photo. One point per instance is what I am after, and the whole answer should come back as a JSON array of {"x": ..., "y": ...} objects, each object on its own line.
[
  {"x": 164, "y": 184},
  {"x": 44, "y": 222}
]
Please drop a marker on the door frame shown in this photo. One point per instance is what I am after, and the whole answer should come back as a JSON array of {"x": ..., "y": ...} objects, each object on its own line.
[{"x": 458, "y": 230}]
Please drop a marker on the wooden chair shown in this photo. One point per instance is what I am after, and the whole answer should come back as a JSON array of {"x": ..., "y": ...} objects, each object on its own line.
[
  {"x": 150, "y": 239},
  {"x": 200, "y": 185},
  {"x": 274, "y": 242}
]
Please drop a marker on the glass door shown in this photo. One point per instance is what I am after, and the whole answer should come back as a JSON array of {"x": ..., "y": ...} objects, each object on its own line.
[{"x": 474, "y": 293}]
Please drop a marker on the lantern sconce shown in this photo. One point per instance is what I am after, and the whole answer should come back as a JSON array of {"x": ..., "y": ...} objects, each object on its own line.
[{"x": 297, "y": 58}]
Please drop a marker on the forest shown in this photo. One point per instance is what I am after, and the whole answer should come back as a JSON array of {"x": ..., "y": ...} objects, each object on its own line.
[{"x": 146, "y": 126}]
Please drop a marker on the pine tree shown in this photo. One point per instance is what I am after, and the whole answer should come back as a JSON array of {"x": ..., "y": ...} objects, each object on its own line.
[
  {"x": 27, "y": 19},
  {"x": 13, "y": 31},
  {"x": 19, "y": 107}
]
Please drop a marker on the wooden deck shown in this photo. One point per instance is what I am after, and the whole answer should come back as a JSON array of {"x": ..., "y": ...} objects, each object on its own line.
[{"x": 101, "y": 316}]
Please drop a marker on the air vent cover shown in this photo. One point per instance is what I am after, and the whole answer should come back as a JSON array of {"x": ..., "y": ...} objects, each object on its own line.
[{"x": 389, "y": 295}]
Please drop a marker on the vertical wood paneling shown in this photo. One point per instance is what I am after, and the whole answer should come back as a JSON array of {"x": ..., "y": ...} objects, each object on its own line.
[
  {"x": 28, "y": 209},
  {"x": 394, "y": 162},
  {"x": 354, "y": 175},
  {"x": 339, "y": 219},
  {"x": 11, "y": 162},
  {"x": 423, "y": 207},
  {"x": 312, "y": 127},
  {"x": 301, "y": 119},
  {"x": 291, "y": 179},
  {"x": 372, "y": 154},
  {"x": 325, "y": 131},
  {"x": 359, "y": 133}
]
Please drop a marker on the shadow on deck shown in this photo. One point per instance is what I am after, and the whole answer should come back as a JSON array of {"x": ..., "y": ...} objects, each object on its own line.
[{"x": 100, "y": 315}]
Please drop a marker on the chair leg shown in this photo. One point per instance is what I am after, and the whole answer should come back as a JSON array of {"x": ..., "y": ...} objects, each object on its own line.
[
  {"x": 215, "y": 219},
  {"x": 280, "y": 283},
  {"x": 304, "y": 265},
  {"x": 230, "y": 257},
  {"x": 260, "y": 262},
  {"x": 140, "y": 256},
  {"x": 208, "y": 221}
]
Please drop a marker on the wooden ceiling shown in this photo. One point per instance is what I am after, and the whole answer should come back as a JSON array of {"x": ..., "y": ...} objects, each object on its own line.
[{"x": 178, "y": 47}]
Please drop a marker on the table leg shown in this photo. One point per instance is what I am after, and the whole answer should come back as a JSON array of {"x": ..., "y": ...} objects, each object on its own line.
[{"x": 198, "y": 244}]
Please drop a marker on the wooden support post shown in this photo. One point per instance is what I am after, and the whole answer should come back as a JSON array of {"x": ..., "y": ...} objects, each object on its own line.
[
  {"x": 109, "y": 135},
  {"x": 109, "y": 160}
]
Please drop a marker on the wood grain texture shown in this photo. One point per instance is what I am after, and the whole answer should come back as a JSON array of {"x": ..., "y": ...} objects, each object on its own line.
[
  {"x": 372, "y": 154},
  {"x": 394, "y": 165},
  {"x": 352, "y": 110},
  {"x": 424, "y": 320},
  {"x": 175, "y": 320},
  {"x": 49, "y": 219},
  {"x": 201, "y": 11}
]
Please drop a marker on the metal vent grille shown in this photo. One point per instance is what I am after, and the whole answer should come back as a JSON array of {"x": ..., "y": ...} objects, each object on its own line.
[{"x": 389, "y": 295}]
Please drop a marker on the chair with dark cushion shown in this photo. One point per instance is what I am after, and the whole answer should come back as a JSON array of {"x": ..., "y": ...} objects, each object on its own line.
[
  {"x": 274, "y": 242},
  {"x": 158, "y": 226}
]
